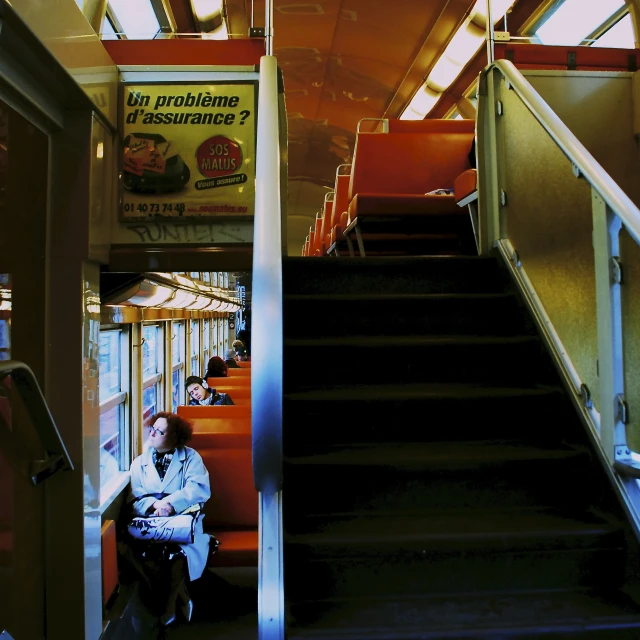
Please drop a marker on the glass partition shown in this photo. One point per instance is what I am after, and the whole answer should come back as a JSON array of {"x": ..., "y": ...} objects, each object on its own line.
[{"x": 547, "y": 219}]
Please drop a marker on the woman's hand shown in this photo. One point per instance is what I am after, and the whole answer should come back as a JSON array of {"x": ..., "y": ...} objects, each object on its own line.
[{"x": 162, "y": 508}]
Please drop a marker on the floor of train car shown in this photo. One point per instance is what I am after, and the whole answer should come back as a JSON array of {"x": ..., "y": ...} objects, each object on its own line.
[{"x": 224, "y": 608}]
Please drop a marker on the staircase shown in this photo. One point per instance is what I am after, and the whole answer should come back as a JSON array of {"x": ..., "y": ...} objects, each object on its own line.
[{"x": 437, "y": 482}]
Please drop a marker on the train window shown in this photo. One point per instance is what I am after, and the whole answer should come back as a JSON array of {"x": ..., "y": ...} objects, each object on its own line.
[
  {"x": 206, "y": 338},
  {"x": 177, "y": 359},
  {"x": 195, "y": 348},
  {"x": 114, "y": 430},
  {"x": 619, "y": 36},
  {"x": 214, "y": 337},
  {"x": 152, "y": 368},
  {"x": 573, "y": 21},
  {"x": 221, "y": 336},
  {"x": 206, "y": 277},
  {"x": 138, "y": 19},
  {"x": 107, "y": 29}
]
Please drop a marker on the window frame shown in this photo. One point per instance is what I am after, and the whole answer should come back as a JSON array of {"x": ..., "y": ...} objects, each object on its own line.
[
  {"x": 158, "y": 377},
  {"x": 180, "y": 364},
  {"x": 122, "y": 399}
]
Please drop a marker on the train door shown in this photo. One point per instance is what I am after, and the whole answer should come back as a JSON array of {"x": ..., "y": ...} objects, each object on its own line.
[{"x": 24, "y": 165}]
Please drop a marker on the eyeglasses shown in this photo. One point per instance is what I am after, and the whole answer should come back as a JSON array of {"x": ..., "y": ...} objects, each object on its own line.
[{"x": 153, "y": 431}]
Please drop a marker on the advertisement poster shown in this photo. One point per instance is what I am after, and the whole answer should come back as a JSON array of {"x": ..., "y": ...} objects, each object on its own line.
[{"x": 189, "y": 151}]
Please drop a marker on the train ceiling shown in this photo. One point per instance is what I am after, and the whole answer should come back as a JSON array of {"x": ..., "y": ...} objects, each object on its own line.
[{"x": 344, "y": 60}]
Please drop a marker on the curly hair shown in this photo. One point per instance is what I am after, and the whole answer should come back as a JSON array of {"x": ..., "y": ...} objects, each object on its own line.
[
  {"x": 216, "y": 368},
  {"x": 179, "y": 430}
]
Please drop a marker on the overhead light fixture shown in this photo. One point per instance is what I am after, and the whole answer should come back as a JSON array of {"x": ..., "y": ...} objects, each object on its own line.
[
  {"x": 498, "y": 10},
  {"x": 463, "y": 46},
  {"x": 181, "y": 300},
  {"x": 201, "y": 303},
  {"x": 421, "y": 103},
  {"x": 210, "y": 14},
  {"x": 142, "y": 294},
  {"x": 219, "y": 33},
  {"x": 160, "y": 290},
  {"x": 206, "y": 9},
  {"x": 214, "y": 305}
]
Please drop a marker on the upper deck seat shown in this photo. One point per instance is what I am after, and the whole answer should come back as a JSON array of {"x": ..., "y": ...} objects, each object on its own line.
[
  {"x": 465, "y": 187},
  {"x": 339, "y": 215},
  {"x": 466, "y": 195},
  {"x": 325, "y": 229},
  {"x": 390, "y": 207}
]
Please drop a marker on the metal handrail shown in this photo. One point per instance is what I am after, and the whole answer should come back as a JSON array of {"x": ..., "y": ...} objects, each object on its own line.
[
  {"x": 384, "y": 121},
  {"x": 57, "y": 457},
  {"x": 267, "y": 341},
  {"x": 583, "y": 162}
]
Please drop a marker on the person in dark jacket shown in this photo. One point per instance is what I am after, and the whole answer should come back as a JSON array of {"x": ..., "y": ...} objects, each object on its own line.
[
  {"x": 216, "y": 368},
  {"x": 201, "y": 394},
  {"x": 231, "y": 360}
]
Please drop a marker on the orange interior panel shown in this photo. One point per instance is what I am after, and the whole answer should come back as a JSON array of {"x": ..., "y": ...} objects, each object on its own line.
[
  {"x": 466, "y": 183},
  {"x": 109, "y": 559},
  {"x": 191, "y": 51}
]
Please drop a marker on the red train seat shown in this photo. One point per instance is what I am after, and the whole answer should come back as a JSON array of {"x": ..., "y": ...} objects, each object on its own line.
[
  {"x": 222, "y": 436},
  {"x": 392, "y": 175}
]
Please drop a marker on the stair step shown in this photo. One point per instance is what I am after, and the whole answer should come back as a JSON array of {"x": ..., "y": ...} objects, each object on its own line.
[
  {"x": 437, "y": 476},
  {"x": 391, "y": 392},
  {"x": 438, "y": 572},
  {"x": 369, "y": 413},
  {"x": 414, "y": 359},
  {"x": 450, "y": 313},
  {"x": 518, "y": 615},
  {"x": 438, "y": 455},
  {"x": 379, "y": 533},
  {"x": 422, "y": 274}
]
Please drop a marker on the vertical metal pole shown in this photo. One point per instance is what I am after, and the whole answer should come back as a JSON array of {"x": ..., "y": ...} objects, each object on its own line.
[
  {"x": 253, "y": 10},
  {"x": 490, "y": 34},
  {"x": 268, "y": 26},
  {"x": 266, "y": 355},
  {"x": 606, "y": 231}
]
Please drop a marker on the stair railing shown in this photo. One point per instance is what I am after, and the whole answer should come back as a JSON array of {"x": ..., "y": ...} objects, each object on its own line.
[
  {"x": 561, "y": 223},
  {"x": 266, "y": 349},
  {"x": 29, "y": 390}
]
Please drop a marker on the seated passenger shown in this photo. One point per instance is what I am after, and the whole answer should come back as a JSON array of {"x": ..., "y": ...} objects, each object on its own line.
[
  {"x": 166, "y": 479},
  {"x": 231, "y": 360},
  {"x": 216, "y": 368},
  {"x": 241, "y": 351},
  {"x": 201, "y": 394}
]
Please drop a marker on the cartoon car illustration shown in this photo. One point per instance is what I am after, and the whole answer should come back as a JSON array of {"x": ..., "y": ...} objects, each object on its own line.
[{"x": 147, "y": 169}]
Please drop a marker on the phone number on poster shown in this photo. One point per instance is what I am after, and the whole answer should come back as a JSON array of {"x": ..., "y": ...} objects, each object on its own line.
[{"x": 154, "y": 207}]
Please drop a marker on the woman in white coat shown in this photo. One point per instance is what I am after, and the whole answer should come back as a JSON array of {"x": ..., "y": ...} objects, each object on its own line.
[{"x": 166, "y": 479}]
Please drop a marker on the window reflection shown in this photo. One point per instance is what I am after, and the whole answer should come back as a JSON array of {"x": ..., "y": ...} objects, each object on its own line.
[
  {"x": 149, "y": 402},
  {"x": 195, "y": 348},
  {"x": 109, "y": 363},
  {"x": 150, "y": 349}
]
